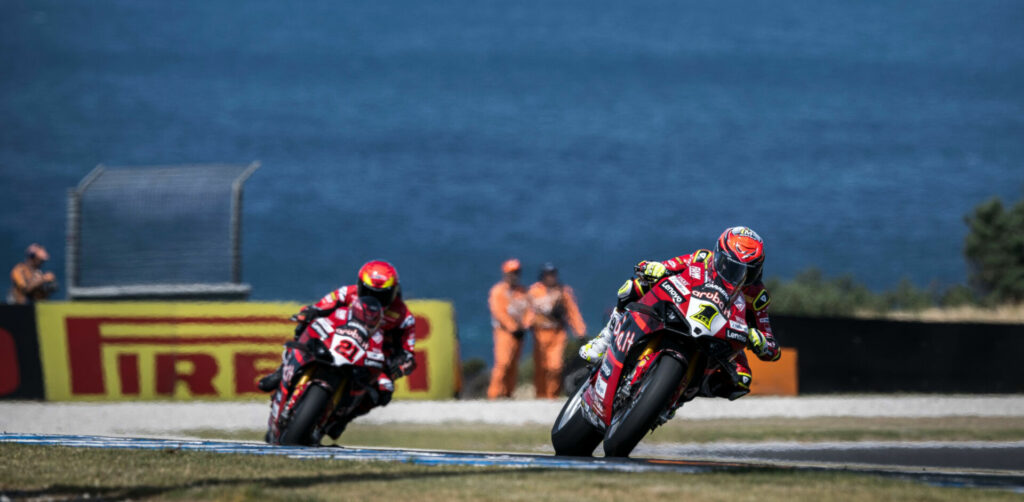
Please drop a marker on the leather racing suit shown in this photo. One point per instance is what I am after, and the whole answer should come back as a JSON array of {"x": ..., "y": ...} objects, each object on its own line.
[{"x": 699, "y": 264}]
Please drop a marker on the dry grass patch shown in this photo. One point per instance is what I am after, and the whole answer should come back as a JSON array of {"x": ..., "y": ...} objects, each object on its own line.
[{"x": 59, "y": 473}]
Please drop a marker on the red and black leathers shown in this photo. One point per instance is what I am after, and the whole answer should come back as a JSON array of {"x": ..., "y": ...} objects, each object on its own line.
[
  {"x": 398, "y": 325},
  {"x": 699, "y": 265}
]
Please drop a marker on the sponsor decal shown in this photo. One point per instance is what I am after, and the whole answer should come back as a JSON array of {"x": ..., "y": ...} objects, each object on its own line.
[
  {"x": 709, "y": 295},
  {"x": 738, "y": 325},
  {"x": 680, "y": 284},
  {"x": 695, "y": 272},
  {"x": 168, "y": 350},
  {"x": 600, "y": 387},
  {"x": 671, "y": 290},
  {"x": 324, "y": 328},
  {"x": 624, "y": 340},
  {"x": 735, "y": 335}
]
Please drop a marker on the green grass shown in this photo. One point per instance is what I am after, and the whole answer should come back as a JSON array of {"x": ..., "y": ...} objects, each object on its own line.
[
  {"x": 536, "y": 438},
  {"x": 30, "y": 471}
]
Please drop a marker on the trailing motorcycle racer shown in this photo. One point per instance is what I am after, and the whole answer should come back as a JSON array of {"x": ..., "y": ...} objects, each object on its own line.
[
  {"x": 376, "y": 279},
  {"x": 737, "y": 262}
]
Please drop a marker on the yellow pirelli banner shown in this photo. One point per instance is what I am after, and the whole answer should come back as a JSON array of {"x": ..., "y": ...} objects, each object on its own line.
[{"x": 179, "y": 350}]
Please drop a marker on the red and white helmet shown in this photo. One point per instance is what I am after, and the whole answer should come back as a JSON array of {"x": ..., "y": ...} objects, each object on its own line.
[
  {"x": 739, "y": 256},
  {"x": 379, "y": 279}
]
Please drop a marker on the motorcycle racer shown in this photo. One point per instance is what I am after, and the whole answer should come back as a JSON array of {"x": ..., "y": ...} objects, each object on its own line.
[
  {"x": 736, "y": 264},
  {"x": 379, "y": 280}
]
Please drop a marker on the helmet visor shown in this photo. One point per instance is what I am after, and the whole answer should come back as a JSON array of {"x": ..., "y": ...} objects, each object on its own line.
[
  {"x": 730, "y": 270},
  {"x": 384, "y": 295}
]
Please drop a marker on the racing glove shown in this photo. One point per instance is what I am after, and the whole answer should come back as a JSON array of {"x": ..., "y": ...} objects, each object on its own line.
[
  {"x": 651, "y": 270},
  {"x": 307, "y": 314},
  {"x": 758, "y": 342},
  {"x": 304, "y": 317},
  {"x": 402, "y": 365}
]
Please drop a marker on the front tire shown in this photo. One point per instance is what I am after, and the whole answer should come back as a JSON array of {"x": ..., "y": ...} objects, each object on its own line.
[
  {"x": 630, "y": 424},
  {"x": 572, "y": 435},
  {"x": 299, "y": 430}
]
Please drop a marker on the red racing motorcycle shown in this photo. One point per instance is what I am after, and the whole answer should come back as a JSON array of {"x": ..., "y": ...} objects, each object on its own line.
[
  {"x": 326, "y": 377},
  {"x": 665, "y": 348}
]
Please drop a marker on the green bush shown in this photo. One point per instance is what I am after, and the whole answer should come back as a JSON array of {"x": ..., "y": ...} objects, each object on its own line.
[
  {"x": 994, "y": 249},
  {"x": 810, "y": 293}
]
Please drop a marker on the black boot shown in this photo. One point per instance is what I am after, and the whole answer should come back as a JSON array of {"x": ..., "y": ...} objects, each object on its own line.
[
  {"x": 336, "y": 428},
  {"x": 271, "y": 381}
]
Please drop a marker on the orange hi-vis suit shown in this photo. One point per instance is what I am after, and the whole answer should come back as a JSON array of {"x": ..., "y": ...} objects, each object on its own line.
[
  {"x": 553, "y": 308},
  {"x": 510, "y": 312}
]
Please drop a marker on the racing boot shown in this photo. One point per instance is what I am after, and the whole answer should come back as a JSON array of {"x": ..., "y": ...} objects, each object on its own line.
[
  {"x": 720, "y": 385},
  {"x": 271, "y": 381},
  {"x": 594, "y": 350},
  {"x": 337, "y": 427}
]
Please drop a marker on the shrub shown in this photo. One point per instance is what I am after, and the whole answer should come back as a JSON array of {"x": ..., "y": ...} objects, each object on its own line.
[{"x": 994, "y": 249}]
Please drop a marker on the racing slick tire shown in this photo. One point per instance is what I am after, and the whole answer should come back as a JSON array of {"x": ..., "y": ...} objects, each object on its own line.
[
  {"x": 631, "y": 423},
  {"x": 572, "y": 435},
  {"x": 299, "y": 430}
]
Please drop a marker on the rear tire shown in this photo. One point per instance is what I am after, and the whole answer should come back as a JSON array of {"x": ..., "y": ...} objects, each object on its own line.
[
  {"x": 299, "y": 430},
  {"x": 572, "y": 435},
  {"x": 630, "y": 425}
]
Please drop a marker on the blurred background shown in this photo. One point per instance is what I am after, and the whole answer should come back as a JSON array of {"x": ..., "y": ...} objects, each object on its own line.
[{"x": 449, "y": 136}]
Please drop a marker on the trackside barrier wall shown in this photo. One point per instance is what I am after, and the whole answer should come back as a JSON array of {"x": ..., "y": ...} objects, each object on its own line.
[
  {"x": 863, "y": 355},
  {"x": 136, "y": 350},
  {"x": 20, "y": 373},
  {"x": 177, "y": 350}
]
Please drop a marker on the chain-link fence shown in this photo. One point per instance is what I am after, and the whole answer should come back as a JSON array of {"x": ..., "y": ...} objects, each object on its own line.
[{"x": 157, "y": 232}]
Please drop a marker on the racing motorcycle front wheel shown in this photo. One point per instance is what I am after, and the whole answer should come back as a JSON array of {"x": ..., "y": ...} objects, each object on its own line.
[
  {"x": 299, "y": 430},
  {"x": 572, "y": 435},
  {"x": 630, "y": 423}
]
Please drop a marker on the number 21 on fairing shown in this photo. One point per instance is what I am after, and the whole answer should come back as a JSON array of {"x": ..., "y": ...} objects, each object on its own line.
[{"x": 347, "y": 349}]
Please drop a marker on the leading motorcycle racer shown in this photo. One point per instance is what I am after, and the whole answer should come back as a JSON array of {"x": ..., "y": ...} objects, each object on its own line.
[
  {"x": 377, "y": 279},
  {"x": 736, "y": 263}
]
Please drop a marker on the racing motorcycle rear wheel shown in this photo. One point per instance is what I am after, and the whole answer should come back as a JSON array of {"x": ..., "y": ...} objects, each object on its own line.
[
  {"x": 630, "y": 424},
  {"x": 299, "y": 430},
  {"x": 572, "y": 435}
]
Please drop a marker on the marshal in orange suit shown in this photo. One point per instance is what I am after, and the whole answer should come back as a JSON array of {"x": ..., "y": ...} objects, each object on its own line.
[
  {"x": 555, "y": 309},
  {"x": 511, "y": 316}
]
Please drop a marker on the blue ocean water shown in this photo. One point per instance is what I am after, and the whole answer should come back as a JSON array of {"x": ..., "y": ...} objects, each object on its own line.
[{"x": 448, "y": 136}]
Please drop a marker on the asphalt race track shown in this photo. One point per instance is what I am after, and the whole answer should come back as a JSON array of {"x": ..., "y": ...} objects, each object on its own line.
[
  {"x": 974, "y": 455},
  {"x": 941, "y": 475}
]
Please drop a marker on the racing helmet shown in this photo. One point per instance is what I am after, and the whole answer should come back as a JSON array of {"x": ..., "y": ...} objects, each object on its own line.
[
  {"x": 739, "y": 256},
  {"x": 366, "y": 310},
  {"x": 379, "y": 279}
]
